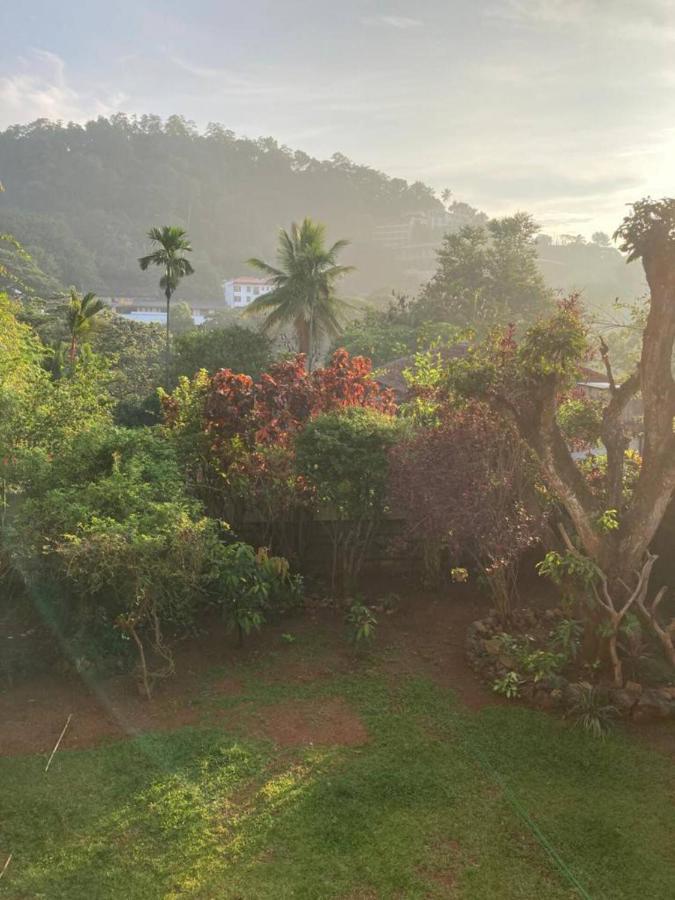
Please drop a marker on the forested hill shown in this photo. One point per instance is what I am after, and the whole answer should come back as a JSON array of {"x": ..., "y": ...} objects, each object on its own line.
[{"x": 82, "y": 198}]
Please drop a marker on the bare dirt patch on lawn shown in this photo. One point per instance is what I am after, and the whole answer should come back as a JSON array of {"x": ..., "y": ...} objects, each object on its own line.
[
  {"x": 326, "y": 722},
  {"x": 424, "y": 635}
]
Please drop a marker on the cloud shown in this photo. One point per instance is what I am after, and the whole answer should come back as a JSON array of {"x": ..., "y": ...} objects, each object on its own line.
[
  {"x": 41, "y": 90},
  {"x": 401, "y": 22},
  {"x": 650, "y": 20}
]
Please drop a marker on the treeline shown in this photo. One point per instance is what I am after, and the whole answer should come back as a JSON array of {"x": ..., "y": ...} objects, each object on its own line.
[{"x": 81, "y": 197}]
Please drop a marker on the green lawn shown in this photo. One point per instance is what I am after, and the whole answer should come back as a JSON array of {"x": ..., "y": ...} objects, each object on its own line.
[{"x": 432, "y": 805}]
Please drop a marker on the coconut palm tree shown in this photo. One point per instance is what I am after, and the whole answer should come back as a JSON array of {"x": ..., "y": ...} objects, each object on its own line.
[
  {"x": 80, "y": 318},
  {"x": 304, "y": 286},
  {"x": 170, "y": 243}
]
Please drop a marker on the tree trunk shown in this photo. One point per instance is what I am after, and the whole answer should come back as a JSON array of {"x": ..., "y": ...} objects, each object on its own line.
[
  {"x": 168, "y": 341},
  {"x": 302, "y": 331}
]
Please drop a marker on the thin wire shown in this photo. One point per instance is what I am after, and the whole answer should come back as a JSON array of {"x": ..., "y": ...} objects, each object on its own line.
[{"x": 522, "y": 813}]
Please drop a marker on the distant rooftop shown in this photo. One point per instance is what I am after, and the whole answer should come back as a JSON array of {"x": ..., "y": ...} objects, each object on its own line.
[
  {"x": 247, "y": 279},
  {"x": 391, "y": 375}
]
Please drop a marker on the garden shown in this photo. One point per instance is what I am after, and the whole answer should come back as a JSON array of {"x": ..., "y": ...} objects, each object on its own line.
[{"x": 294, "y": 634}]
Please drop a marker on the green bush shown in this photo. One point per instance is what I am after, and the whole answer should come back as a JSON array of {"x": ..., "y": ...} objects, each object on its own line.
[
  {"x": 344, "y": 456},
  {"x": 233, "y": 347},
  {"x": 113, "y": 551},
  {"x": 253, "y": 585},
  {"x": 361, "y": 623}
]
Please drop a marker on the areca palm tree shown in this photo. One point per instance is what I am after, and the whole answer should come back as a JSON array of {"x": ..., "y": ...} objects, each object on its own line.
[
  {"x": 303, "y": 286},
  {"x": 80, "y": 317},
  {"x": 170, "y": 243}
]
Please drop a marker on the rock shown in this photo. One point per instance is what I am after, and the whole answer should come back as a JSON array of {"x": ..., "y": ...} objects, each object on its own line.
[
  {"x": 507, "y": 661},
  {"x": 633, "y": 687},
  {"x": 557, "y": 696},
  {"x": 528, "y": 691},
  {"x": 493, "y": 646},
  {"x": 652, "y": 705},
  {"x": 543, "y": 700},
  {"x": 668, "y": 691},
  {"x": 623, "y": 700}
]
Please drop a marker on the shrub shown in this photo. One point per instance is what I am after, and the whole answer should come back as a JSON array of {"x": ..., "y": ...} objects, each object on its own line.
[
  {"x": 126, "y": 553},
  {"x": 464, "y": 487},
  {"x": 592, "y": 712},
  {"x": 508, "y": 685},
  {"x": 236, "y": 436},
  {"x": 253, "y": 584},
  {"x": 343, "y": 455},
  {"x": 361, "y": 623}
]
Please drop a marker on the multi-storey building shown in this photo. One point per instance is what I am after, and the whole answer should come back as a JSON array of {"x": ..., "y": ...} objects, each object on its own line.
[{"x": 241, "y": 291}]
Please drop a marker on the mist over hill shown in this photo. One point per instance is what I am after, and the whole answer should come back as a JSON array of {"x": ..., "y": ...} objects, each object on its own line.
[{"x": 82, "y": 197}]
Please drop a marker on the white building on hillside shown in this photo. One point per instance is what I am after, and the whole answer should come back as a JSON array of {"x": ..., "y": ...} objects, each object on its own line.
[{"x": 239, "y": 292}]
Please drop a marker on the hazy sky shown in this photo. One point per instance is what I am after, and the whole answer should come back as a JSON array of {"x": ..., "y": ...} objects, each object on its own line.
[{"x": 565, "y": 108}]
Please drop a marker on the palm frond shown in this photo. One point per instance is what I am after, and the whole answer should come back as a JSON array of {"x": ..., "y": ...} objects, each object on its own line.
[
  {"x": 262, "y": 266},
  {"x": 264, "y": 301},
  {"x": 337, "y": 246},
  {"x": 303, "y": 282}
]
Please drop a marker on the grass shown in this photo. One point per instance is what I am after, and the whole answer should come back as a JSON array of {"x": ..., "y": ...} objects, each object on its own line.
[{"x": 424, "y": 809}]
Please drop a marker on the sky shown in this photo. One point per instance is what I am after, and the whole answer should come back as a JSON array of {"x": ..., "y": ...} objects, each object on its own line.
[{"x": 563, "y": 108}]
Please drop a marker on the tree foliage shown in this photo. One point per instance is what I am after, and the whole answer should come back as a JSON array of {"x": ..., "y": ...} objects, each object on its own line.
[
  {"x": 83, "y": 192},
  {"x": 234, "y": 347},
  {"x": 343, "y": 456},
  {"x": 524, "y": 380},
  {"x": 303, "y": 282},
  {"x": 487, "y": 274},
  {"x": 465, "y": 489}
]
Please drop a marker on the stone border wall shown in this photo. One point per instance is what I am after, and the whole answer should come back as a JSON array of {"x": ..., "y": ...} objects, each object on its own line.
[{"x": 489, "y": 661}]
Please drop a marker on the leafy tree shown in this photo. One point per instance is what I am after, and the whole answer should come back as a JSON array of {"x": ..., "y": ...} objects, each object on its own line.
[
  {"x": 22, "y": 380},
  {"x": 382, "y": 335},
  {"x": 20, "y": 274},
  {"x": 58, "y": 259},
  {"x": 610, "y": 564},
  {"x": 81, "y": 316},
  {"x": 304, "y": 286},
  {"x": 181, "y": 320},
  {"x": 170, "y": 244},
  {"x": 234, "y": 347},
  {"x": 487, "y": 274}
]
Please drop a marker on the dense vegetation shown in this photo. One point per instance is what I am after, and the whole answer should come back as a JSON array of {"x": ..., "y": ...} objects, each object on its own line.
[
  {"x": 81, "y": 198},
  {"x": 154, "y": 479},
  {"x": 115, "y": 524}
]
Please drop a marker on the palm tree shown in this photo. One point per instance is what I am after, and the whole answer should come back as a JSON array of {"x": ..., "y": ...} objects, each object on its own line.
[
  {"x": 169, "y": 242},
  {"x": 80, "y": 318},
  {"x": 304, "y": 286}
]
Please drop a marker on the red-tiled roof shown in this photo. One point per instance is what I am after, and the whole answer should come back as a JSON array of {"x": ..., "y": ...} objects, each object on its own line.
[{"x": 249, "y": 279}]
